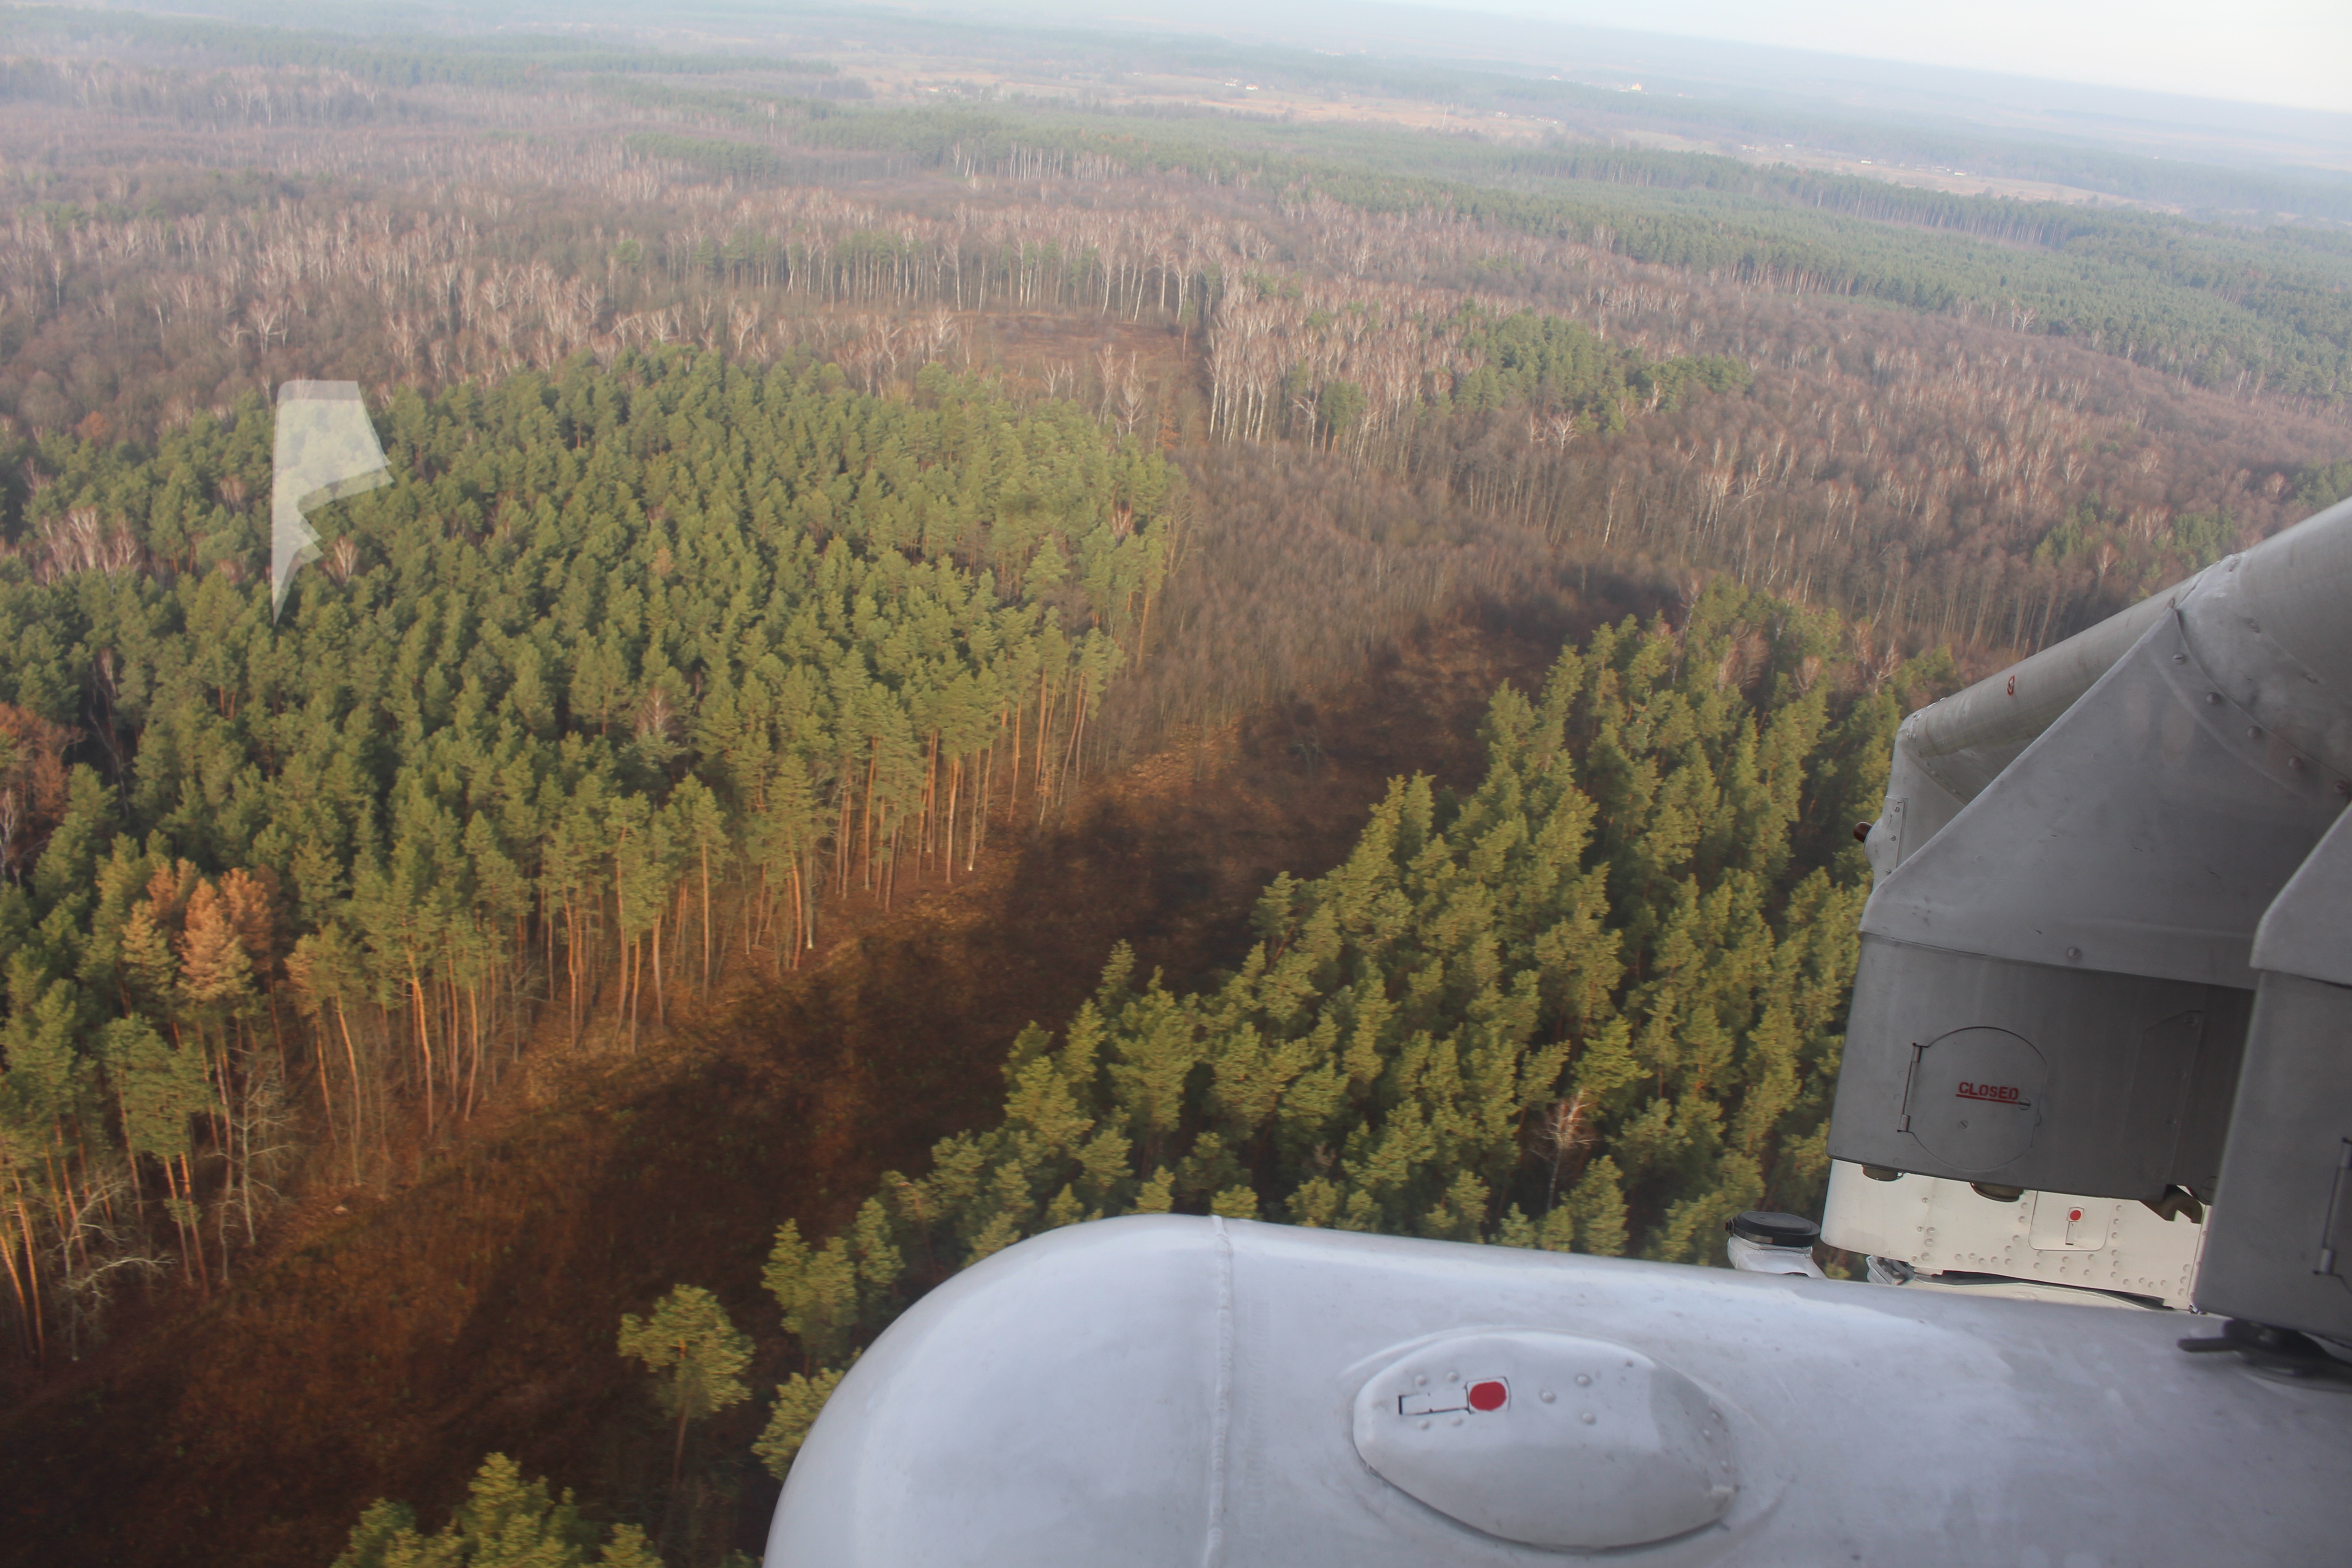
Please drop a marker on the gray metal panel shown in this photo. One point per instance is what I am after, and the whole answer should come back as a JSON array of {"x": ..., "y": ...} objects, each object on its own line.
[
  {"x": 1183, "y": 1393},
  {"x": 2308, "y": 929},
  {"x": 2300, "y": 582},
  {"x": 1917, "y": 808},
  {"x": 2188, "y": 795},
  {"x": 2067, "y": 1241},
  {"x": 2304, "y": 712},
  {"x": 2279, "y": 1249},
  {"x": 1965, "y": 741},
  {"x": 2066, "y": 1079},
  {"x": 1023, "y": 1433},
  {"x": 2144, "y": 833},
  {"x": 2180, "y": 820}
]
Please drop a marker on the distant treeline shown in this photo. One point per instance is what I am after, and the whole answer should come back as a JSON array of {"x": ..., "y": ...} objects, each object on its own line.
[
  {"x": 506, "y": 61},
  {"x": 2267, "y": 310},
  {"x": 2219, "y": 305}
]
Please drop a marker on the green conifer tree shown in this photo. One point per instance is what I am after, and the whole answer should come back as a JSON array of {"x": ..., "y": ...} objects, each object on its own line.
[{"x": 697, "y": 1356}]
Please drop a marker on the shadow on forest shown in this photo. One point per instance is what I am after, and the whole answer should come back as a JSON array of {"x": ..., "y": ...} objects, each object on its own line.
[{"x": 385, "y": 1353}]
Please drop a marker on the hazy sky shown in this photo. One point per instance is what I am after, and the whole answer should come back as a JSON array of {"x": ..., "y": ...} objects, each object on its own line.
[{"x": 2262, "y": 51}]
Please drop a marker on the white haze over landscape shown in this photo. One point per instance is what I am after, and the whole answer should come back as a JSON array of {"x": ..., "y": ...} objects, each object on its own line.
[
  {"x": 2268, "y": 83},
  {"x": 2296, "y": 53}
]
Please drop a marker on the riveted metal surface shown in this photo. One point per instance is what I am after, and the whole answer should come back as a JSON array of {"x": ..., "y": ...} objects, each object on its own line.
[
  {"x": 1548, "y": 1438},
  {"x": 2098, "y": 902},
  {"x": 2298, "y": 584},
  {"x": 2308, "y": 929},
  {"x": 2280, "y": 1248},
  {"x": 2135, "y": 1095},
  {"x": 2282, "y": 1252},
  {"x": 2109, "y": 827},
  {"x": 2145, "y": 830},
  {"x": 1942, "y": 1227},
  {"x": 2294, "y": 586},
  {"x": 1053, "y": 1408},
  {"x": 2292, "y": 714},
  {"x": 1967, "y": 740}
]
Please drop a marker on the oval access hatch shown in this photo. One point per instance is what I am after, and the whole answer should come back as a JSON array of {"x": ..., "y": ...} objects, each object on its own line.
[
  {"x": 1975, "y": 1098},
  {"x": 1549, "y": 1439}
]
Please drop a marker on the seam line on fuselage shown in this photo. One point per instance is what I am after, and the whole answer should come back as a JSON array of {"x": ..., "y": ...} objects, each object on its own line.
[{"x": 1221, "y": 1414}]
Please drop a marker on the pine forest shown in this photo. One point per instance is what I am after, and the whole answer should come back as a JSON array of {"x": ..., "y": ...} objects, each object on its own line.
[{"x": 972, "y": 628}]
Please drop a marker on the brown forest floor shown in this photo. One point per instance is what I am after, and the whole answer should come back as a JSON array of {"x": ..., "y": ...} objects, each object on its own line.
[{"x": 384, "y": 1352}]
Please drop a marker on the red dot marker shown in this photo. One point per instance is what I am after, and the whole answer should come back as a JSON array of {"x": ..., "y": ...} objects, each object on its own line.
[
  {"x": 2074, "y": 1214},
  {"x": 1492, "y": 1394}
]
